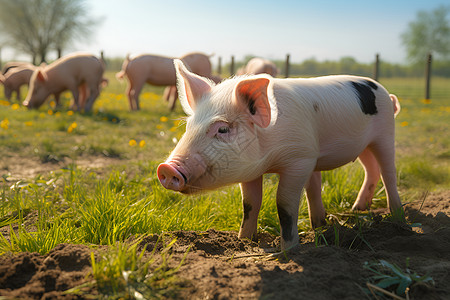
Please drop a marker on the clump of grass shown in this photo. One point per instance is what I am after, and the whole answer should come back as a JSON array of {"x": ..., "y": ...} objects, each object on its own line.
[
  {"x": 389, "y": 275},
  {"x": 123, "y": 273},
  {"x": 41, "y": 240}
]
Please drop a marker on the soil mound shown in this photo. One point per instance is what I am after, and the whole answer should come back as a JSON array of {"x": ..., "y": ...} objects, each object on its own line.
[{"x": 219, "y": 266}]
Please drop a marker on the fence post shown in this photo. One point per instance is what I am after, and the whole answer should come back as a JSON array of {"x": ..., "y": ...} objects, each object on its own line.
[
  {"x": 376, "y": 70},
  {"x": 219, "y": 67},
  {"x": 428, "y": 76},
  {"x": 232, "y": 65},
  {"x": 287, "y": 65}
]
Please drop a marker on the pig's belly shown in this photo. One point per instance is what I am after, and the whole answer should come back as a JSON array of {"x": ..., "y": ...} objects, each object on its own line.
[{"x": 336, "y": 155}]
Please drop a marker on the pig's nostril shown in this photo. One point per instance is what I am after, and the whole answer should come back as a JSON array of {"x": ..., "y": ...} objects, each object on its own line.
[{"x": 170, "y": 177}]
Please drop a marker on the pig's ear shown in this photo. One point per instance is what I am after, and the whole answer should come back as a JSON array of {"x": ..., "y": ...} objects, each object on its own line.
[
  {"x": 191, "y": 87},
  {"x": 251, "y": 95},
  {"x": 41, "y": 75}
]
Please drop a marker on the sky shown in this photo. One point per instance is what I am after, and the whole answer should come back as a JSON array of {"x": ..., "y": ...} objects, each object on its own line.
[{"x": 320, "y": 29}]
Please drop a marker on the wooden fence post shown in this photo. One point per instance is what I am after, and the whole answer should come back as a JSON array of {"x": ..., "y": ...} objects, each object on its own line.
[
  {"x": 232, "y": 65},
  {"x": 428, "y": 77},
  {"x": 219, "y": 67},
  {"x": 376, "y": 71},
  {"x": 287, "y": 65}
]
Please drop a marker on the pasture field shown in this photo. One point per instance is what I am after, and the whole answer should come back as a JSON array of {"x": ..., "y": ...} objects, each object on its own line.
[{"x": 86, "y": 184}]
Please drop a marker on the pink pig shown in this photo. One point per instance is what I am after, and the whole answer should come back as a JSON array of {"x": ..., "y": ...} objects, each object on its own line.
[
  {"x": 247, "y": 126},
  {"x": 79, "y": 73},
  {"x": 259, "y": 65},
  {"x": 15, "y": 78},
  {"x": 158, "y": 70}
]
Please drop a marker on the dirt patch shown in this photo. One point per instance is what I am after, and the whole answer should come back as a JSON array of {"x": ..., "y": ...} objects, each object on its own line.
[
  {"x": 28, "y": 168},
  {"x": 219, "y": 266}
]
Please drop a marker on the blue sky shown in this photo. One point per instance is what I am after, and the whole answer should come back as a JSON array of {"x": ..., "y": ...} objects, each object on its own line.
[{"x": 323, "y": 29}]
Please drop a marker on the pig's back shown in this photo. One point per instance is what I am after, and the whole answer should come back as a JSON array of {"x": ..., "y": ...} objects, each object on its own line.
[
  {"x": 154, "y": 69},
  {"x": 335, "y": 114}
]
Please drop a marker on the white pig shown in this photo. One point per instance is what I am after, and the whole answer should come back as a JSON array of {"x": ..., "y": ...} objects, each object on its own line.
[
  {"x": 247, "y": 126},
  {"x": 80, "y": 73}
]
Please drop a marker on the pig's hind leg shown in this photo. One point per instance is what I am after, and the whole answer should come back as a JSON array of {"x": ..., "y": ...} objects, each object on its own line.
[
  {"x": 251, "y": 202},
  {"x": 384, "y": 152},
  {"x": 371, "y": 178},
  {"x": 314, "y": 197}
]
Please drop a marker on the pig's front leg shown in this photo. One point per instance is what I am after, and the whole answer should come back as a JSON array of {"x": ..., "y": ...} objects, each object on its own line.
[
  {"x": 288, "y": 200},
  {"x": 251, "y": 201}
]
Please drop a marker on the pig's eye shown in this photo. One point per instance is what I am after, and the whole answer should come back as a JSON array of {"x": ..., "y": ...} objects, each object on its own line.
[{"x": 223, "y": 129}]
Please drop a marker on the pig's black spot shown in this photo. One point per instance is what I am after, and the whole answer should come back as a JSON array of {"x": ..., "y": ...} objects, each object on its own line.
[
  {"x": 366, "y": 96},
  {"x": 247, "y": 209},
  {"x": 286, "y": 223},
  {"x": 316, "y": 107}
]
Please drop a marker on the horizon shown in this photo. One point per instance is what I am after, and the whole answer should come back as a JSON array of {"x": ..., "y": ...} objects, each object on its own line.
[{"x": 323, "y": 30}]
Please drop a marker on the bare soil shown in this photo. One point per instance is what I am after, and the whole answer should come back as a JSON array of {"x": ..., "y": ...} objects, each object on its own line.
[{"x": 219, "y": 266}]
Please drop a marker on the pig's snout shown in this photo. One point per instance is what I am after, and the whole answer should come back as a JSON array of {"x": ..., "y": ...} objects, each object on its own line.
[{"x": 170, "y": 177}]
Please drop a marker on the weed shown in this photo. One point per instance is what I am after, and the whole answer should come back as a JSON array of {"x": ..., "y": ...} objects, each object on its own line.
[{"x": 390, "y": 275}]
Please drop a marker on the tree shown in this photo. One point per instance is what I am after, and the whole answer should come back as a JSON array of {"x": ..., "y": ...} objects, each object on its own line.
[
  {"x": 429, "y": 33},
  {"x": 39, "y": 26}
]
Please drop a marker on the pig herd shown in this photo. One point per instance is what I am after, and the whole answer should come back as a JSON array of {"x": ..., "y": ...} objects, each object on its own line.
[
  {"x": 82, "y": 75},
  {"x": 240, "y": 128}
]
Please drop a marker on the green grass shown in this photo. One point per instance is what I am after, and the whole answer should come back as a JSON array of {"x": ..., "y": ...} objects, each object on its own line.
[{"x": 106, "y": 205}]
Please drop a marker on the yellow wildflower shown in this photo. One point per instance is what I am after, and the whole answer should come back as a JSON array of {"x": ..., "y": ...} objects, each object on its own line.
[
  {"x": 29, "y": 123},
  {"x": 426, "y": 101},
  {"x": 50, "y": 112},
  {"x": 164, "y": 119},
  {"x": 159, "y": 126},
  {"x": 72, "y": 127},
  {"x": 132, "y": 142},
  {"x": 4, "y": 124},
  {"x": 404, "y": 123},
  {"x": 15, "y": 106},
  {"x": 4, "y": 103},
  {"x": 142, "y": 143},
  {"x": 70, "y": 113}
]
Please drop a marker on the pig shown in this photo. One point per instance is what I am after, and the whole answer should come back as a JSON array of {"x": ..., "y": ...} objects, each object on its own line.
[
  {"x": 15, "y": 78},
  {"x": 244, "y": 127},
  {"x": 80, "y": 73},
  {"x": 14, "y": 64},
  {"x": 159, "y": 71},
  {"x": 259, "y": 65}
]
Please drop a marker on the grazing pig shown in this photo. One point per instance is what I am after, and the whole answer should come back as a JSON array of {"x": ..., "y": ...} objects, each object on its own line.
[
  {"x": 15, "y": 78},
  {"x": 79, "y": 73},
  {"x": 259, "y": 65},
  {"x": 247, "y": 126},
  {"x": 158, "y": 70},
  {"x": 14, "y": 64}
]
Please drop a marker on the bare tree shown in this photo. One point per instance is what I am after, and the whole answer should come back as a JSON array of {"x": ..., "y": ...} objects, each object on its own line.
[
  {"x": 39, "y": 26},
  {"x": 430, "y": 32}
]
